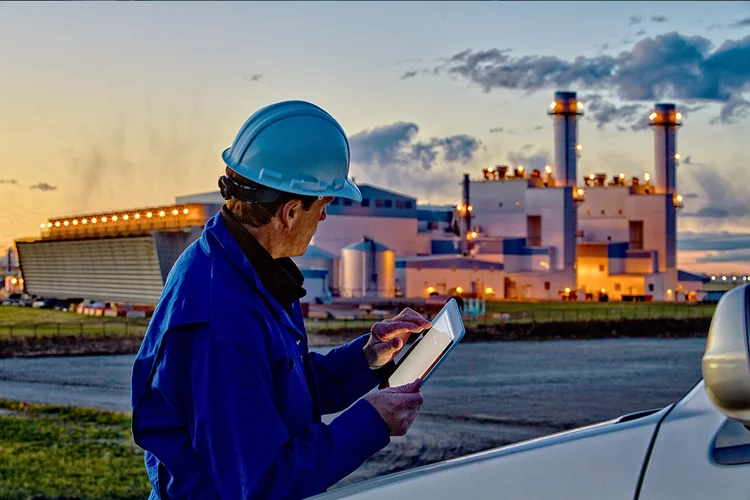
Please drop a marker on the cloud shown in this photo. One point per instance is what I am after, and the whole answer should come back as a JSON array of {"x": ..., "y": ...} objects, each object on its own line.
[
  {"x": 718, "y": 241},
  {"x": 604, "y": 112},
  {"x": 640, "y": 32},
  {"x": 530, "y": 160},
  {"x": 252, "y": 78},
  {"x": 669, "y": 65},
  {"x": 635, "y": 20},
  {"x": 502, "y": 130},
  {"x": 409, "y": 74},
  {"x": 687, "y": 160},
  {"x": 392, "y": 154},
  {"x": 732, "y": 256},
  {"x": 44, "y": 187},
  {"x": 396, "y": 145},
  {"x": 658, "y": 19},
  {"x": 539, "y": 127},
  {"x": 9, "y": 181},
  {"x": 742, "y": 23},
  {"x": 732, "y": 111},
  {"x": 724, "y": 195}
]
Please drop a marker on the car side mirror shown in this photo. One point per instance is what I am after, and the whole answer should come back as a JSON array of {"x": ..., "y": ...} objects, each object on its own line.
[{"x": 726, "y": 362}]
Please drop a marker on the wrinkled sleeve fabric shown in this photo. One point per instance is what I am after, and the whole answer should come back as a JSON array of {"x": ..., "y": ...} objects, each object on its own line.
[
  {"x": 343, "y": 375},
  {"x": 241, "y": 438}
]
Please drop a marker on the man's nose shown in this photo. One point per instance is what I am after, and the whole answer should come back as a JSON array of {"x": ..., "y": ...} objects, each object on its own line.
[{"x": 323, "y": 214}]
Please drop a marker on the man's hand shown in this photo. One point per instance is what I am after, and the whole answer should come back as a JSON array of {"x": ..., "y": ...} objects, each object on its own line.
[
  {"x": 387, "y": 337},
  {"x": 397, "y": 406}
]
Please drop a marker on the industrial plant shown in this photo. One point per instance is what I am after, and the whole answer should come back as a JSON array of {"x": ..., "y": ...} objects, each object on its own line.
[{"x": 514, "y": 233}]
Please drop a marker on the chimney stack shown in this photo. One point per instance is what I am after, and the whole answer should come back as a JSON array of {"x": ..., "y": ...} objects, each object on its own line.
[
  {"x": 665, "y": 120},
  {"x": 565, "y": 110}
]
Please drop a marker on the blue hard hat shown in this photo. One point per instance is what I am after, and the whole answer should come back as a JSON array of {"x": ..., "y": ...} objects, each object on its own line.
[{"x": 294, "y": 147}]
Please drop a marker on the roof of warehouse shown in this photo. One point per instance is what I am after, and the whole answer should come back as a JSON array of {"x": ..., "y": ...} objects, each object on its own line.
[
  {"x": 446, "y": 263},
  {"x": 315, "y": 252},
  {"x": 686, "y": 276}
]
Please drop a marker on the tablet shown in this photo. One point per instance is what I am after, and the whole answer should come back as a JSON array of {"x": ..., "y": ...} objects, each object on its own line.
[{"x": 430, "y": 348}]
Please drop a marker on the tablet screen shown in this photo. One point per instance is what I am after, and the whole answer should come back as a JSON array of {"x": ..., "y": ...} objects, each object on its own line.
[{"x": 427, "y": 350}]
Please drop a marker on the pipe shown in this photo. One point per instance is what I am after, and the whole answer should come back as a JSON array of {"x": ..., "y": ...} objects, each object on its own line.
[{"x": 565, "y": 110}]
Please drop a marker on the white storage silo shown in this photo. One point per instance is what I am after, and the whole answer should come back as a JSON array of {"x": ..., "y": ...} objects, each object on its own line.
[{"x": 368, "y": 269}]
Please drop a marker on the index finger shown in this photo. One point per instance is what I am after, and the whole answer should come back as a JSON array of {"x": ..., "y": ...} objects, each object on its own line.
[{"x": 411, "y": 399}]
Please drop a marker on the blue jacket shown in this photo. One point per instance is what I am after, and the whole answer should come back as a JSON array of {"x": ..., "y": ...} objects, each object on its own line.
[{"x": 227, "y": 399}]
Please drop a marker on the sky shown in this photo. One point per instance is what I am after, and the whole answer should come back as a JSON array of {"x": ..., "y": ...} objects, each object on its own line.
[{"x": 113, "y": 105}]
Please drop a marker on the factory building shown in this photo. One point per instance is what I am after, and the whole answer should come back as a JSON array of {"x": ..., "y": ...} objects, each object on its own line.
[{"x": 516, "y": 233}]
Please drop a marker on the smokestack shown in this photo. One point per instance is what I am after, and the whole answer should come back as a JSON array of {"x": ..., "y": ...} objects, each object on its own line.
[
  {"x": 665, "y": 120},
  {"x": 565, "y": 110},
  {"x": 467, "y": 215}
]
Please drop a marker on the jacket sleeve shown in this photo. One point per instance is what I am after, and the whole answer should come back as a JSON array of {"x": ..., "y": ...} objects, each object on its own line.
[
  {"x": 343, "y": 375},
  {"x": 243, "y": 443}
]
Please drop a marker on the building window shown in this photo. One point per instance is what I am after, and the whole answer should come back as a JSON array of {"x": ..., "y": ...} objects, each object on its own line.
[
  {"x": 432, "y": 226},
  {"x": 335, "y": 201},
  {"x": 617, "y": 287},
  {"x": 408, "y": 204},
  {"x": 347, "y": 202},
  {"x": 650, "y": 287},
  {"x": 601, "y": 268},
  {"x": 380, "y": 203},
  {"x": 602, "y": 212},
  {"x": 403, "y": 204},
  {"x": 388, "y": 203},
  {"x": 547, "y": 285},
  {"x": 365, "y": 202}
]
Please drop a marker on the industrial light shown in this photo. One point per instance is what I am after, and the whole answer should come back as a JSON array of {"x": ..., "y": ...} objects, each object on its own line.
[
  {"x": 579, "y": 191},
  {"x": 84, "y": 221},
  {"x": 669, "y": 291},
  {"x": 622, "y": 176},
  {"x": 489, "y": 291},
  {"x": 518, "y": 203},
  {"x": 723, "y": 278},
  {"x": 567, "y": 290},
  {"x": 175, "y": 212},
  {"x": 544, "y": 264},
  {"x": 185, "y": 211},
  {"x": 460, "y": 208},
  {"x": 43, "y": 225},
  {"x": 459, "y": 289},
  {"x": 679, "y": 198},
  {"x": 679, "y": 116},
  {"x": 149, "y": 215},
  {"x": 591, "y": 177},
  {"x": 647, "y": 177},
  {"x": 430, "y": 289},
  {"x": 13, "y": 280},
  {"x": 713, "y": 278},
  {"x": 580, "y": 105},
  {"x": 677, "y": 156},
  {"x": 604, "y": 291},
  {"x": 114, "y": 218},
  {"x": 104, "y": 219},
  {"x": 75, "y": 222},
  {"x": 49, "y": 224},
  {"x": 579, "y": 147},
  {"x": 520, "y": 168},
  {"x": 93, "y": 220},
  {"x": 652, "y": 116},
  {"x": 552, "y": 105},
  {"x": 744, "y": 278},
  {"x": 57, "y": 224},
  {"x": 470, "y": 208},
  {"x": 126, "y": 217},
  {"x": 161, "y": 213},
  {"x": 548, "y": 169},
  {"x": 137, "y": 216},
  {"x": 66, "y": 223},
  {"x": 473, "y": 234},
  {"x": 734, "y": 278},
  {"x": 491, "y": 169}
]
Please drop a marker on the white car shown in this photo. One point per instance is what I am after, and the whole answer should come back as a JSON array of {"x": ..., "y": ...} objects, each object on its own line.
[{"x": 698, "y": 448}]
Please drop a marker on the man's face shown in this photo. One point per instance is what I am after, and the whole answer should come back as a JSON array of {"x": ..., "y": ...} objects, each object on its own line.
[{"x": 307, "y": 224}]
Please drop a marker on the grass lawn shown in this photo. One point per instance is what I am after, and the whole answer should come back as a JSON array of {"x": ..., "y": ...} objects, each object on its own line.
[
  {"x": 49, "y": 452},
  {"x": 27, "y": 321}
]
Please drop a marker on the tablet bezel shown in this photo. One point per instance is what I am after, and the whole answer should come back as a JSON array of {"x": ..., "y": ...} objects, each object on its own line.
[{"x": 454, "y": 317}]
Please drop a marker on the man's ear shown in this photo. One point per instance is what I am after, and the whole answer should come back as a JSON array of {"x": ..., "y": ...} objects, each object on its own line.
[{"x": 290, "y": 211}]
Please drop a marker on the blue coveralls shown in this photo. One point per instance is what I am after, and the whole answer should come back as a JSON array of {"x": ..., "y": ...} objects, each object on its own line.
[{"x": 226, "y": 397}]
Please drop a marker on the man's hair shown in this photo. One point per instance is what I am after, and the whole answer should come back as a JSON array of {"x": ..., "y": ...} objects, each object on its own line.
[{"x": 260, "y": 214}]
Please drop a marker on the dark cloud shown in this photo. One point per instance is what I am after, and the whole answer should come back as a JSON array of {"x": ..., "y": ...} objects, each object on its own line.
[
  {"x": 690, "y": 195},
  {"x": 687, "y": 160},
  {"x": 409, "y": 74},
  {"x": 726, "y": 197},
  {"x": 9, "y": 181},
  {"x": 718, "y": 241},
  {"x": 604, "y": 46},
  {"x": 640, "y": 33},
  {"x": 396, "y": 145},
  {"x": 658, "y": 19},
  {"x": 635, "y": 20},
  {"x": 731, "y": 256},
  {"x": 530, "y": 160},
  {"x": 252, "y": 78},
  {"x": 742, "y": 23},
  {"x": 391, "y": 156},
  {"x": 539, "y": 127},
  {"x": 669, "y": 65},
  {"x": 732, "y": 111},
  {"x": 621, "y": 128},
  {"x": 44, "y": 187},
  {"x": 502, "y": 130},
  {"x": 604, "y": 112}
]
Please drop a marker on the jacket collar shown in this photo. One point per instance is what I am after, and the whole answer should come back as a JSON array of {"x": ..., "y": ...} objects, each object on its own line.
[{"x": 216, "y": 238}]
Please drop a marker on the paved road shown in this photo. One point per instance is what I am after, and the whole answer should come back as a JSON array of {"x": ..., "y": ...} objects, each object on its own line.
[{"x": 483, "y": 396}]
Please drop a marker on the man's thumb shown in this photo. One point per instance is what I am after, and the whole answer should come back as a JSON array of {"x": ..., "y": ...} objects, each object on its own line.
[{"x": 411, "y": 387}]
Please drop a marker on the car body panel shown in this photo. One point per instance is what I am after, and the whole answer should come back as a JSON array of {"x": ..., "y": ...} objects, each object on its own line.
[
  {"x": 681, "y": 465},
  {"x": 599, "y": 461}
]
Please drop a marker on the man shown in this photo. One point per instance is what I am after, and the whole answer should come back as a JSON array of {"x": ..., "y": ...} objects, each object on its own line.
[{"x": 227, "y": 399}]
